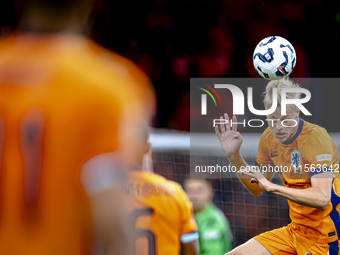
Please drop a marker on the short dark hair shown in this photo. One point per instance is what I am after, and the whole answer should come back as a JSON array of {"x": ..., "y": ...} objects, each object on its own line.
[
  {"x": 56, "y": 7},
  {"x": 207, "y": 181}
]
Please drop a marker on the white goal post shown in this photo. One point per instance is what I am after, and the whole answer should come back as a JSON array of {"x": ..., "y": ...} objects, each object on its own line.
[{"x": 172, "y": 140}]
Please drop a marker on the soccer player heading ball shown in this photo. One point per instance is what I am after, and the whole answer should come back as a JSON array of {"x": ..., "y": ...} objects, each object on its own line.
[{"x": 308, "y": 158}]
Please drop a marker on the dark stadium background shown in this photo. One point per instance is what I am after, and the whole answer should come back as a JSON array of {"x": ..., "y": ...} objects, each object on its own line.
[{"x": 173, "y": 40}]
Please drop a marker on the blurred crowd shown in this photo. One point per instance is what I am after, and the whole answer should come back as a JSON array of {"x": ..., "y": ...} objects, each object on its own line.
[{"x": 173, "y": 40}]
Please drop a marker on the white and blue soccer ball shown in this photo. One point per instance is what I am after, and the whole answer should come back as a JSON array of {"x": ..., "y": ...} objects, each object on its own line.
[{"x": 274, "y": 58}]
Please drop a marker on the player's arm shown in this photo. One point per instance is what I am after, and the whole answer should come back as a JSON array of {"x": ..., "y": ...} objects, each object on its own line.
[
  {"x": 103, "y": 184},
  {"x": 231, "y": 142},
  {"x": 190, "y": 248},
  {"x": 318, "y": 196},
  {"x": 188, "y": 228},
  {"x": 109, "y": 229}
]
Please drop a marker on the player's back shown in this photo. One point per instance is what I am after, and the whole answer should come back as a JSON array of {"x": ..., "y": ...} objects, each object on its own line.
[
  {"x": 160, "y": 214},
  {"x": 61, "y": 101}
]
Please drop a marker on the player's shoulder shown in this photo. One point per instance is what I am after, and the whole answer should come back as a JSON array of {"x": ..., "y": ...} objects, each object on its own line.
[
  {"x": 101, "y": 172},
  {"x": 315, "y": 139},
  {"x": 156, "y": 179},
  {"x": 139, "y": 81},
  {"x": 6, "y": 43},
  {"x": 161, "y": 187},
  {"x": 267, "y": 132},
  {"x": 109, "y": 60},
  {"x": 267, "y": 135},
  {"x": 312, "y": 133},
  {"x": 310, "y": 128},
  {"x": 70, "y": 57},
  {"x": 215, "y": 212},
  {"x": 147, "y": 176},
  {"x": 212, "y": 216},
  {"x": 86, "y": 58},
  {"x": 116, "y": 72},
  {"x": 99, "y": 71}
]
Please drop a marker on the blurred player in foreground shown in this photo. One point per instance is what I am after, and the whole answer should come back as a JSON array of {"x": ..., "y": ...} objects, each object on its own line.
[
  {"x": 161, "y": 216},
  {"x": 308, "y": 157},
  {"x": 63, "y": 100},
  {"x": 215, "y": 237}
]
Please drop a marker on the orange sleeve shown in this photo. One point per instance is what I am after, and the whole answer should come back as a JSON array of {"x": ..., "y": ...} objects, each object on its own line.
[
  {"x": 101, "y": 131},
  {"x": 319, "y": 153},
  {"x": 187, "y": 221}
]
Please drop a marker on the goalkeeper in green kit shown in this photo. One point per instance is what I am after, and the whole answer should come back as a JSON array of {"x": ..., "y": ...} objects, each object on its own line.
[{"x": 215, "y": 237}]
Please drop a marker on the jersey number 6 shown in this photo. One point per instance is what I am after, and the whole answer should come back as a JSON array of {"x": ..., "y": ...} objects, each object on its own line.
[{"x": 142, "y": 233}]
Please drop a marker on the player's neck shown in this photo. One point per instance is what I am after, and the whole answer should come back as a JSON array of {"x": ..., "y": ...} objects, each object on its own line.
[
  {"x": 39, "y": 24},
  {"x": 295, "y": 130},
  {"x": 198, "y": 210}
]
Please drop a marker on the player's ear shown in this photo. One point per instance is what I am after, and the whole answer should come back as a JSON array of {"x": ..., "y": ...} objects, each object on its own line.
[
  {"x": 147, "y": 158},
  {"x": 147, "y": 147},
  {"x": 212, "y": 193},
  {"x": 297, "y": 112}
]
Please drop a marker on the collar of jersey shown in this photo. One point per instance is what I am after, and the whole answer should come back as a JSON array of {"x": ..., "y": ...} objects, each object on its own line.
[
  {"x": 290, "y": 141},
  {"x": 207, "y": 208}
]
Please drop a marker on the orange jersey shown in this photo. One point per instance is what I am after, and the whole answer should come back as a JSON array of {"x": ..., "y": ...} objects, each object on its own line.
[
  {"x": 62, "y": 99},
  {"x": 309, "y": 152},
  {"x": 161, "y": 215}
]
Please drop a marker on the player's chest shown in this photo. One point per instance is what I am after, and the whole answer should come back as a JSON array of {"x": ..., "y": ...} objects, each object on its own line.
[{"x": 290, "y": 161}]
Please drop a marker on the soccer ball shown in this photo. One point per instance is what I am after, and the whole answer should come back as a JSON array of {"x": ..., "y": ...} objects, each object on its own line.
[{"x": 274, "y": 58}]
